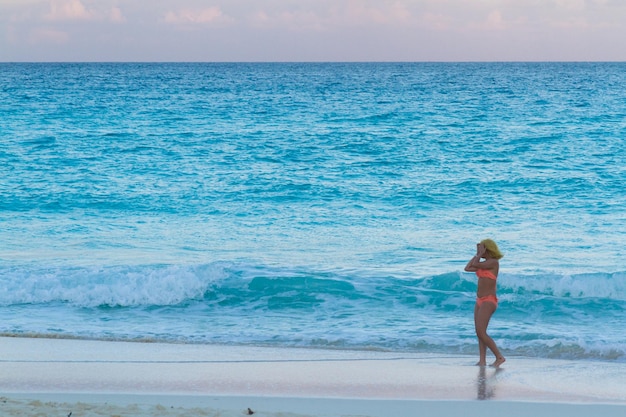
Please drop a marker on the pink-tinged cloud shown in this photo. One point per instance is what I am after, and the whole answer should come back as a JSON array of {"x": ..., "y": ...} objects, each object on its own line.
[
  {"x": 116, "y": 15},
  {"x": 495, "y": 21},
  {"x": 492, "y": 22},
  {"x": 68, "y": 10},
  {"x": 204, "y": 16}
]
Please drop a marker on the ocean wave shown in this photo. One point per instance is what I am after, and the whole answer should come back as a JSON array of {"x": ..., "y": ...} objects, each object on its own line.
[
  {"x": 227, "y": 282},
  {"x": 543, "y": 315},
  {"x": 599, "y": 285},
  {"x": 127, "y": 286}
]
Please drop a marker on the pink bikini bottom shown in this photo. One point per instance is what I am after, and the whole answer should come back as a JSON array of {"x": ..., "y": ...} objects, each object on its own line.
[{"x": 487, "y": 298}]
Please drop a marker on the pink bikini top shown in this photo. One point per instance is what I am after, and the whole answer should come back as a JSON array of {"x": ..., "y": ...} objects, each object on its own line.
[{"x": 485, "y": 273}]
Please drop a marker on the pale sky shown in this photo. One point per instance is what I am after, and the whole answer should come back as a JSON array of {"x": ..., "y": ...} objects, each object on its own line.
[{"x": 312, "y": 30}]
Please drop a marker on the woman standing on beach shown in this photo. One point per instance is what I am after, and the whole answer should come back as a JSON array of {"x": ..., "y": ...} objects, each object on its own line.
[{"x": 486, "y": 265}]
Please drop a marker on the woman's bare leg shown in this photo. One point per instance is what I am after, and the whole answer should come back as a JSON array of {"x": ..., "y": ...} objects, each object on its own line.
[
  {"x": 482, "y": 348},
  {"x": 482, "y": 315}
]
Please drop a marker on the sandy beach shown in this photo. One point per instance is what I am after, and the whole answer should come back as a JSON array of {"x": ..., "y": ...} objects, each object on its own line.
[{"x": 96, "y": 378}]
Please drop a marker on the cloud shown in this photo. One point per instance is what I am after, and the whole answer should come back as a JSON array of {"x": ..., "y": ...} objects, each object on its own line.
[
  {"x": 329, "y": 15},
  {"x": 203, "y": 16},
  {"x": 312, "y": 29},
  {"x": 300, "y": 20},
  {"x": 495, "y": 21},
  {"x": 75, "y": 10},
  {"x": 68, "y": 10},
  {"x": 116, "y": 15}
]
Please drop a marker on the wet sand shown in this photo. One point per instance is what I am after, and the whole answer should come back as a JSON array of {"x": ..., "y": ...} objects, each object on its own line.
[{"x": 98, "y": 378}]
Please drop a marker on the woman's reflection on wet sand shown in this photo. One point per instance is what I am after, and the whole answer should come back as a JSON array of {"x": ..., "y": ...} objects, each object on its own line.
[{"x": 486, "y": 383}]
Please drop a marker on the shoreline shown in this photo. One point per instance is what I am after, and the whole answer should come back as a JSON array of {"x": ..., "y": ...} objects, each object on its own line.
[{"x": 124, "y": 376}]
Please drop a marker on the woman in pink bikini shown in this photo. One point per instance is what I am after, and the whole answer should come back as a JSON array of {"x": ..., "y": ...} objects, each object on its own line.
[{"x": 486, "y": 265}]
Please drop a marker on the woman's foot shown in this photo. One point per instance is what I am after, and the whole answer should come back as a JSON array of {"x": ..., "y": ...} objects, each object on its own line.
[
  {"x": 499, "y": 361},
  {"x": 481, "y": 363}
]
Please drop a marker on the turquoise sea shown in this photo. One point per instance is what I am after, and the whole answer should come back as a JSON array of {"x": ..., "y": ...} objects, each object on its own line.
[{"x": 324, "y": 205}]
